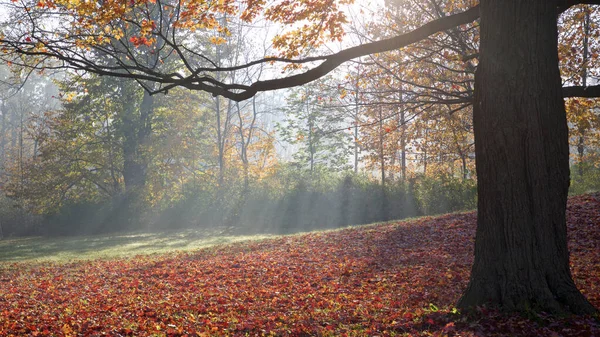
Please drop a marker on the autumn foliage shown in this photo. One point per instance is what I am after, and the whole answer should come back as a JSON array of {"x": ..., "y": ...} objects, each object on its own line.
[{"x": 393, "y": 279}]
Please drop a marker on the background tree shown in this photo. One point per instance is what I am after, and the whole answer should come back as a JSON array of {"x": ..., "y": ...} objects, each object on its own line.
[
  {"x": 311, "y": 125},
  {"x": 579, "y": 48},
  {"x": 426, "y": 86},
  {"x": 26, "y": 98}
]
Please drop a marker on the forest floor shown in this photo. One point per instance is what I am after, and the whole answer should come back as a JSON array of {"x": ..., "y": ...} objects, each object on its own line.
[{"x": 393, "y": 279}]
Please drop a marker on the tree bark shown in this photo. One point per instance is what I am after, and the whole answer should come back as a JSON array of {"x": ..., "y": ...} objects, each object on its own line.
[{"x": 522, "y": 157}]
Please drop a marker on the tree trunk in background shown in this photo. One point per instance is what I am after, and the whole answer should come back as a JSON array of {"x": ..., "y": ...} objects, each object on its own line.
[
  {"x": 220, "y": 143},
  {"x": 522, "y": 157},
  {"x": 356, "y": 121},
  {"x": 580, "y": 154},
  {"x": 3, "y": 121},
  {"x": 425, "y": 159},
  {"x": 463, "y": 159},
  {"x": 381, "y": 154},
  {"x": 311, "y": 147},
  {"x": 355, "y": 146},
  {"x": 586, "y": 42},
  {"x": 403, "y": 145},
  {"x": 135, "y": 131}
]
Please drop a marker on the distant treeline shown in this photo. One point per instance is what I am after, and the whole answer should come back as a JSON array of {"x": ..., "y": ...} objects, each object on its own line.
[
  {"x": 289, "y": 202},
  {"x": 299, "y": 204}
]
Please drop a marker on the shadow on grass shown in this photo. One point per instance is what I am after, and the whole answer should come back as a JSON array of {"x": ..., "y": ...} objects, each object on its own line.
[{"x": 112, "y": 245}]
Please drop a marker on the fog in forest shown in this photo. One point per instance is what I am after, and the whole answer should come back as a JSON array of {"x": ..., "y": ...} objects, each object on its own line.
[{"x": 86, "y": 155}]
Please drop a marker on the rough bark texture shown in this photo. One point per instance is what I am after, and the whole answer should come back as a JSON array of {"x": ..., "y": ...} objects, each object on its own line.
[{"x": 522, "y": 156}]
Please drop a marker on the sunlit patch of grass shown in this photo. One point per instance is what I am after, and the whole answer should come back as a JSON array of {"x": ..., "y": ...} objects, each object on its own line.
[
  {"x": 65, "y": 249},
  {"x": 122, "y": 245}
]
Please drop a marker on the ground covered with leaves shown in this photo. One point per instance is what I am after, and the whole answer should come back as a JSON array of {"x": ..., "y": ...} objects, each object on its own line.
[{"x": 395, "y": 279}]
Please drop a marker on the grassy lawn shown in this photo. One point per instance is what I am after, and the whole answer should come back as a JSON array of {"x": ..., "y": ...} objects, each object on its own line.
[{"x": 69, "y": 248}]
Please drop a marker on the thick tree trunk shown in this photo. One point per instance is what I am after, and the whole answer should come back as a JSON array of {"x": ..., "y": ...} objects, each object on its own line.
[{"x": 522, "y": 156}]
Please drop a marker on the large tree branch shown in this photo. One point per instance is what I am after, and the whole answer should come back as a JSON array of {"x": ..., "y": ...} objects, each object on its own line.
[
  {"x": 580, "y": 91},
  {"x": 201, "y": 78},
  {"x": 563, "y": 5},
  {"x": 334, "y": 60}
]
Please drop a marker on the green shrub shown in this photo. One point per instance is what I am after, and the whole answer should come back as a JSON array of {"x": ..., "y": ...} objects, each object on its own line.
[
  {"x": 290, "y": 201},
  {"x": 445, "y": 194},
  {"x": 587, "y": 182}
]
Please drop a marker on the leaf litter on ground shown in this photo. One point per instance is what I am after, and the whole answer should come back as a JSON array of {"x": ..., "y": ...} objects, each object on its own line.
[{"x": 394, "y": 279}]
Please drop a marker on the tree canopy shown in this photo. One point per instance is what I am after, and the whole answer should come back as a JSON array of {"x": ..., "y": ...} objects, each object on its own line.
[{"x": 136, "y": 38}]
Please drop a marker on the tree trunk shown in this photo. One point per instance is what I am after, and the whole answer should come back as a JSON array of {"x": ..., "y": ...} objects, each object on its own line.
[
  {"x": 522, "y": 157},
  {"x": 311, "y": 146},
  {"x": 356, "y": 121},
  {"x": 425, "y": 145},
  {"x": 3, "y": 121},
  {"x": 580, "y": 153},
  {"x": 136, "y": 130},
  {"x": 355, "y": 146},
  {"x": 463, "y": 159},
  {"x": 586, "y": 41},
  {"x": 403, "y": 145},
  {"x": 220, "y": 143},
  {"x": 381, "y": 157}
]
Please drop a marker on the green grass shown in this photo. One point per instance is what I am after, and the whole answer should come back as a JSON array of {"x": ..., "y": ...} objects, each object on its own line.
[{"x": 65, "y": 249}]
